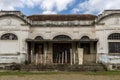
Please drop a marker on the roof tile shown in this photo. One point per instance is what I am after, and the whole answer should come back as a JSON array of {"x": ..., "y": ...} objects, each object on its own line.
[{"x": 62, "y": 17}]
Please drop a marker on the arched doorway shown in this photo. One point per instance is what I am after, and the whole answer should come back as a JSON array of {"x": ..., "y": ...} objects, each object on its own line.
[
  {"x": 61, "y": 49},
  {"x": 85, "y": 45},
  {"x": 36, "y": 50},
  {"x": 89, "y": 49}
]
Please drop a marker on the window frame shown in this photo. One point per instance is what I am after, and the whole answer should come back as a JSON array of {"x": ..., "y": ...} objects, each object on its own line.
[
  {"x": 114, "y": 43},
  {"x": 9, "y": 36},
  {"x": 38, "y": 38},
  {"x": 114, "y": 36},
  {"x": 62, "y": 38}
]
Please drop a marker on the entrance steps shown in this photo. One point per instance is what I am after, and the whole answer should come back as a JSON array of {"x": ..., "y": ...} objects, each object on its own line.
[
  {"x": 4, "y": 66},
  {"x": 64, "y": 67}
]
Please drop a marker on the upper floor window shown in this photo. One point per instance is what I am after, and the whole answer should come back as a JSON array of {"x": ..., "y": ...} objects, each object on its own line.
[
  {"x": 114, "y": 36},
  {"x": 9, "y": 36},
  {"x": 62, "y": 37}
]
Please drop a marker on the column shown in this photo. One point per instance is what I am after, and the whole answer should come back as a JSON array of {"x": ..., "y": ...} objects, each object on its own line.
[
  {"x": 49, "y": 53},
  {"x": 92, "y": 48},
  {"x": 32, "y": 52},
  {"x": 73, "y": 52},
  {"x": 92, "y": 52},
  {"x": 79, "y": 55},
  {"x": 45, "y": 53}
]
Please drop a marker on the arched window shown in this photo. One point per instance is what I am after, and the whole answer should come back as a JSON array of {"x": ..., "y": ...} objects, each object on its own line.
[
  {"x": 114, "y": 36},
  {"x": 62, "y": 37},
  {"x": 114, "y": 44},
  {"x": 38, "y": 38},
  {"x": 9, "y": 36},
  {"x": 85, "y": 38}
]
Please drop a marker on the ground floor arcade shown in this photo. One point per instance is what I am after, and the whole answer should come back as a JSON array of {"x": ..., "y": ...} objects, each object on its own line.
[{"x": 61, "y": 52}]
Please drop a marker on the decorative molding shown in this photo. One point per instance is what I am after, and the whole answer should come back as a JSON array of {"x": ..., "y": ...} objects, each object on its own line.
[
  {"x": 62, "y": 23},
  {"x": 9, "y": 29},
  {"x": 7, "y": 22}
]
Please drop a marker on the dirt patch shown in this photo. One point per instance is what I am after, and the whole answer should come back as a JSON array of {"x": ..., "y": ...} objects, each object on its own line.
[{"x": 61, "y": 77}]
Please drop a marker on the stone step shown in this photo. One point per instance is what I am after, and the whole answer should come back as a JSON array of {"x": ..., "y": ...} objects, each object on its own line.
[{"x": 59, "y": 67}]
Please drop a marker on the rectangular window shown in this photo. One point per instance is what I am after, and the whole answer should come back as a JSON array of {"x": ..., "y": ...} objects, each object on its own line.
[{"x": 114, "y": 47}]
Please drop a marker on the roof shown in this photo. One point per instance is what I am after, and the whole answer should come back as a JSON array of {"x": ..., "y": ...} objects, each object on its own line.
[
  {"x": 71, "y": 17},
  {"x": 112, "y": 10}
]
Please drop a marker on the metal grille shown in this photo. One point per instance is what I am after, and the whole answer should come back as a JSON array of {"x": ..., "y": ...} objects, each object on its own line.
[
  {"x": 9, "y": 36},
  {"x": 114, "y": 47},
  {"x": 114, "y": 36},
  {"x": 62, "y": 37},
  {"x": 38, "y": 38},
  {"x": 85, "y": 38}
]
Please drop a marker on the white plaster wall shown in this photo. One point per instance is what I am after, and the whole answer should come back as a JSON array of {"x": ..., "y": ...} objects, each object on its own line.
[
  {"x": 102, "y": 41},
  {"x": 111, "y": 25},
  {"x": 73, "y": 32},
  {"x": 23, "y": 35},
  {"x": 10, "y": 47},
  {"x": 19, "y": 58},
  {"x": 10, "y": 22},
  {"x": 111, "y": 20},
  {"x": 16, "y": 28}
]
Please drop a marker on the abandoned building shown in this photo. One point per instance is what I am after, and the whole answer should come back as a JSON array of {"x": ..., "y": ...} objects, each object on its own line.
[{"x": 60, "y": 39}]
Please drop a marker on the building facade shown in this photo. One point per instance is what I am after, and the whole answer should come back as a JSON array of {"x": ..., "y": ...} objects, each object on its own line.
[{"x": 60, "y": 39}]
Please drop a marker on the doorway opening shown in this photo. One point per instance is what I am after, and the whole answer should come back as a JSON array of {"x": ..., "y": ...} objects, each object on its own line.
[
  {"x": 61, "y": 53},
  {"x": 39, "y": 54},
  {"x": 35, "y": 53},
  {"x": 89, "y": 52},
  {"x": 86, "y": 48}
]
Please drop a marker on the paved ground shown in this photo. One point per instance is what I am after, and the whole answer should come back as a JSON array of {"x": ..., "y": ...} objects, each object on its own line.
[{"x": 61, "y": 77}]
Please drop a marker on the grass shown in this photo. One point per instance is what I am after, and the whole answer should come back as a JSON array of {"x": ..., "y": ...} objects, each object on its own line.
[
  {"x": 109, "y": 73},
  {"x": 22, "y": 73},
  {"x": 32, "y": 73}
]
